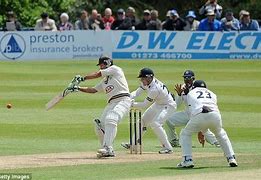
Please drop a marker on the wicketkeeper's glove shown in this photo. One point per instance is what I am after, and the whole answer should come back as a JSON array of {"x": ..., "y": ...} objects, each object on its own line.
[{"x": 201, "y": 138}]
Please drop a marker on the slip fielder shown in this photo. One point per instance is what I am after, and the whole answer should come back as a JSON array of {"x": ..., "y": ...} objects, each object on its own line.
[
  {"x": 203, "y": 114},
  {"x": 181, "y": 118}
]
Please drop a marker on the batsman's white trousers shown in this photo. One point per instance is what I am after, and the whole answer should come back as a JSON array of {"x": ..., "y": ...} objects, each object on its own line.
[
  {"x": 111, "y": 116},
  {"x": 155, "y": 116},
  {"x": 202, "y": 122},
  {"x": 181, "y": 118}
]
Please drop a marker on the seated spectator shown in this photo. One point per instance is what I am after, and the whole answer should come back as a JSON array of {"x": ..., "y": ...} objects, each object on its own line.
[
  {"x": 246, "y": 23},
  {"x": 83, "y": 22},
  {"x": 95, "y": 21},
  {"x": 175, "y": 23},
  {"x": 45, "y": 23},
  {"x": 155, "y": 23},
  {"x": 65, "y": 25},
  {"x": 108, "y": 18},
  {"x": 119, "y": 19},
  {"x": 259, "y": 22},
  {"x": 167, "y": 18},
  {"x": 143, "y": 25},
  {"x": 229, "y": 22},
  {"x": 211, "y": 5},
  {"x": 11, "y": 24},
  {"x": 130, "y": 20},
  {"x": 191, "y": 22},
  {"x": 210, "y": 23}
]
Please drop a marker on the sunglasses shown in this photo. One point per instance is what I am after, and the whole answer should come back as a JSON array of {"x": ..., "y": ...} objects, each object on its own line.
[{"x": 188, "y": 77}]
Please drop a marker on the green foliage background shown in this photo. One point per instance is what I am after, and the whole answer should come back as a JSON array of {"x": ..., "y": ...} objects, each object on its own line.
[{"x": 28, "y": 11}]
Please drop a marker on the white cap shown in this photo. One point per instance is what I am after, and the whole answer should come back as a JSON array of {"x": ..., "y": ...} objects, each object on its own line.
[
  {"x": 65, "y": 15},
  {"x": 210, "y": 12}
]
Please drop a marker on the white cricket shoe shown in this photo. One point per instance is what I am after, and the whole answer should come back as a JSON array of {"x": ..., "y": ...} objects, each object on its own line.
[
  {"x": 165, "y": 151},
  {"x": 105, "y": 152},
  {"x": 125, "y": 145},
  {"x": 186, "y": 164},
  {"x": 232, "y": 163}
]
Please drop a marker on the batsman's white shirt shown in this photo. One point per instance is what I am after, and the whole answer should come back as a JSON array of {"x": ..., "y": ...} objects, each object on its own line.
[
  {"x": 199, "y": 97},
  {"x": 113, "y": 82}
]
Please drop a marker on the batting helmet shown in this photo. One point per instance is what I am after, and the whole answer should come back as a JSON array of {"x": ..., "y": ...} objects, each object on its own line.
[
  {"x": 199, "y": 83},
  {"x": 146, "y": 72},
  {"x": 105, "y": 60},
  {"x": 188, "y": 74}
]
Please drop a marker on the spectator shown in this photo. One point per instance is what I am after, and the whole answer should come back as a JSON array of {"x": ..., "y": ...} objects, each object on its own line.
[
  {"x": 65, "y": 25},
  {"x": 143, "y": 25},
  {"x": 95, "y": 21},
  {"x": 120, "y": 18},
  {"x": 108, "y": 19},
  {"x": 130, "y": 21},
  {"x": 155, "y": 23},
  {"x": 83, "y": 22},
  {"x": 211, "y": 5},
  {"x": 259, "y": 22},
  {"x": 167, "y": 18},
  {"x": 175, "y": 22},
  {"x": 246, "y": 23},
  {"x": 191, "y": 22},
  {"x": 11, "y": 23},
  {"x": 45, "y": 23},
  {"x": 210, "y": 23},
  {"x": 229, "y": 22}
]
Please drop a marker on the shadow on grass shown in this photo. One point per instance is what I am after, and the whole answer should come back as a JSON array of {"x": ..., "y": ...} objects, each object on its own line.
[{"x": 195, "y": 168}]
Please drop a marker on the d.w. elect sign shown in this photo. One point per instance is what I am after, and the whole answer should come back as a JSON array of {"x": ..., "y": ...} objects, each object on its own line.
[{"x": 129, "y": 45}]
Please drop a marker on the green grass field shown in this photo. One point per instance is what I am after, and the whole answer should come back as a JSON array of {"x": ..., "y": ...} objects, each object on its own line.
[{"x": 27, "y": 128}]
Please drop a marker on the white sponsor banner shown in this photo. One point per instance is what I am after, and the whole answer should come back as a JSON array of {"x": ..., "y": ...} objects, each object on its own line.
[{"x": 35, "y": 45}]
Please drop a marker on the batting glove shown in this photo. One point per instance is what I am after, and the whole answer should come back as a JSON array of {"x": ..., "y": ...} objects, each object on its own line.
[
  {"x": 77, "y": 80},
  {"x": 73, "y": 88}
]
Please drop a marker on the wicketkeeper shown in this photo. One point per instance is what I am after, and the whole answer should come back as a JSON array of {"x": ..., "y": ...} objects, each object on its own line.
[{"x": 161, "y": 106}]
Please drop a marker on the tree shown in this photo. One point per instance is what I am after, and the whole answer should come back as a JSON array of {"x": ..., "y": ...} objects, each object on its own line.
[{"x": 28, "y": 11}]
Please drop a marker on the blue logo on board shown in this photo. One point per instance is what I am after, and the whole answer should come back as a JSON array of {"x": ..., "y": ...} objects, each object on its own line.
[{"x": 12, "y": 46}]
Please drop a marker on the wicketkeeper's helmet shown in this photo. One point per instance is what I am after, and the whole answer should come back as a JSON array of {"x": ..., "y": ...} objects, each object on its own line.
[
  {"x": 105, "y": 60},
  {"x": 146, "y": 72},
  {"x": 199, "y": 83}
]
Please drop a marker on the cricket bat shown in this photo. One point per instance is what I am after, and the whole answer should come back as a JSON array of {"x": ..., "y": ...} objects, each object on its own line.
[{"x": 56, "y": 99}]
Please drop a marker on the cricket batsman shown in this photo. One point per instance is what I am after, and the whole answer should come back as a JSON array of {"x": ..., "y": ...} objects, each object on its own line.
[
  {"x": 115, "y": 85},
  {"x": 161, "y": 106},
  {"x": 203, "y": 115}
]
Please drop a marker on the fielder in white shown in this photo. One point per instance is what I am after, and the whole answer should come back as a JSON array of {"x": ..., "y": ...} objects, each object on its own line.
[
  {"x": 181, "y": 118},
  {"x": 114, "y": 84},
  {"x": 204, "y": 114},
  {"x": 161, "y": 106}
]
